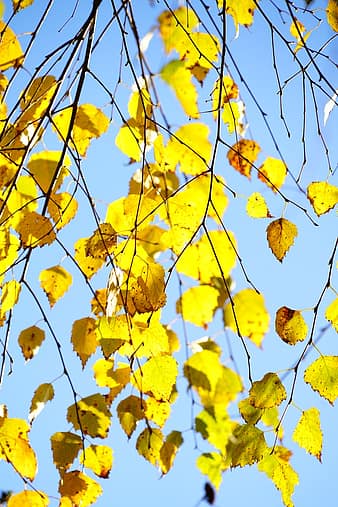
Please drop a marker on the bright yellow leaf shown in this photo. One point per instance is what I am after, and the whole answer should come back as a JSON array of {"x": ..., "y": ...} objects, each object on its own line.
[
  {"x": 332, "y": 14},
  {"x": 44, "y": 393},
  {"x": 130, "y": 213},
  {"x": 34, "y": 103},
  {"x": 268, "y": 392},
  {"x": 101, "y": 242},
  {"x": 322, "y": 375},
  {"x": 215, "y": 426},
  {"x": 140, "y": 105},
  {"x": 169, "y": 450},
  {"x": 9, "y": 295},
  {"x": 80, "y": 489},
  {"x": 247, "y": 446},
  {"x": 242, "y": 12},
  {"x": 112, "y": 333},
  {"x": 331, "y": 313},
  {"x": 65, "y": 448},
  {"x": 256, "y": 206},
  {"x": 308, "y": 433},
  {"x": 297, "y": 30},
  {"x": 35, "y": 229},
  {"x": 106, "y": 376},
  {"x": 157, "y": 411},
  {"x": 212, "y": 464},
  {"x": 135, "y": 139},
  {"x": 84, "y": 338},
  {"x": 323, "y": 196},
  {"x": 252, "y": 317},
  {"x": 62, "y": 208},
  {"x": 8, "y": 251},
  {"x": 15, "y": 447},
  {"x": 175, "y": 25},
  {"x": 229, "y": 91},
  {"x": 149, "y": 444},
  {"x": 28, "y": 498},
  {"x": 21, "y": 199},
  {"x": 281, "y": 234},
  {"x": 88, "y": 264},
  {"x": 95, "y": 417},
  {"x": 11, "y": 54},
  {"x": 30, "y": 340},
  {"x": 55, "y": 282},
  {"x": 130, "y": 411},
  {"x": 250, "y": 414},
  {"x": 156, "y": 377},
  {"x": 290, "y": 325},
  {"x": 198, "y": 305},
  {"x": 43, "y": 169},
  {"x": 232, "y": 116},
  {"x": 176, "y": 75},
  {"x": 242, "y": 155},
  {"x": 21, "y": 4},
  {"x": 99, "y": 458},
  {"x": 272, "y": 172}
]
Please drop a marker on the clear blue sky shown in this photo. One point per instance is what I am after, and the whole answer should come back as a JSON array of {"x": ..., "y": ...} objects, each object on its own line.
[{"x": 297, "y": 283}]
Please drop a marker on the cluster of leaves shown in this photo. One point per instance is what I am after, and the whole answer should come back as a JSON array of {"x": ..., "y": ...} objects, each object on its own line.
[{"x": 170, "y": 221}]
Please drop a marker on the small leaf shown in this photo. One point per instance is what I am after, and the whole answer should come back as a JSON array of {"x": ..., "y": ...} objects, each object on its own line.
[
  {"x": 215, "y": 426},
  {"x": 268, "y": 392},
  {"x": 242, "y": 156},
  {"x": 15, "y": 447},
  {"x": 332, "y": 14},
  {"x": 65, "y": 448},
  {"x": 62, "y": 208},
  {"x": 130, "y": 411},
  {"x": 11, "y": 54},
  {"x": 308, "y": 433},
  {"x": 322, "y": 196},
  {"x": 10, "y": 295},
  {"x": 322, "y": 375},
  {"x": 176, "y": 75},
  {"x": 241, "y": 12},
  {"x": 290, "y": 325},
  {"x": 198, "y": 304},
  {"x": 80, "y": 489},
  {"x": 55, "y": 282},
  {"x": 30, "y": 340},
  {"x": 84, "y": 338},
  {"x": 99, "y": 458},
  {"x": 256, "y": 206},
  {"x": 272, "y": 172},
  {"x": 156, "y": 377},
  {"x": 331, "y": 313},
  {"x": 149, "y": 444},
  {"x": 94, "y": 415},
  {"x": 35, "y": 229},
  {"x": 157, "y": 411},
  {"x": 43, "y": 168},
  {"x": 28, "y": 498},
  {"x": 280, "y": 235},
  {"x": 212, "y": 464},
  {"x": 88, "y": 264},
  {"x": 247, "y": 446},
  {"x": 44, "y": 393},
  {"x": 169, "y": 450}
]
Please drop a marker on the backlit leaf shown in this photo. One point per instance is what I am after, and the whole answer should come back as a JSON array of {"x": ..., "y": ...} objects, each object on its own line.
[
  {"x": 229, "y": 91},
  {"x": 80, "y": 489},
  {"x": 95, "y": 417},
  {"x": 65, "y": 448},
  {"x": 99, "y": 458},
  {"x": 290, "y": 325},
  {"x": 102, "y": 241},
  {"x": 174, "y": 26},
  {"x": 43, "y": 168},
  {"x": 134, "y": 139},
  {"x": 250, "y": 414},
  {"x": 106, "y": 376},
  {"x": 242, "y": 12},
  {"x": 176, "y": 75},
  {"x": 21, "y": 4},
  {"x": 156, "y": 377},
  {"x": 169, "y": 450},
  {"x": 247, "y": 446},
  {"x": 157, "y": 411},
  {"x": 87, "y": 263},
  {"x": 15, "y": 447},
  {"x": 272, "y": 172},
  {"x": 55, "y": 282},
  {"x": 332, "y": 14},
  {"x": 11, "y": 54},
  {"x": 232, "y": 116},
  {"x": 252, "y": 317},
  {"x": 308, "y": 433},
  {"x": 149, "y": 444},
  {"x": 212, "y": 464},
  {"x": 280, "y": 235},
  {"x": 322, "y": 375},
  {"x": 242, "y": 155},
  {"x": 268, "y": 392},
  {"x": 28, "y": 498},
  {"x": 331, "y": 313},
  {"x": 130, "y": 411},
  {"x": 256, "y": 206},
  {"x": 62, "y": 208},
  {"x": 35, "y": 229},
  {"x": 215, "y": 426},
  {"x": 84, "y": 338},
  {"x": 44, "y": 393},
  {"x": 9, "y": 295},
  {"x": 323, "y": 196},
  {"x": 30, "y": 340},
  {"x": 198, "y": 304}
]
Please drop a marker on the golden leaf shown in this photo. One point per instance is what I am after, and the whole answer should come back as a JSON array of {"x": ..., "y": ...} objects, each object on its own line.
[
  {"x": 331, "y": 313},
  {"x": 268, "y": 392},
  {"x": 229, "y": 91},
  {"x": 112, "y": 333},
  {"x": 43, "y": 169},
  {"x": 28, "y": 498},
  {"x": 130, "y": 411},
  {"x": 157, "y": 411},
  {"x": 290, "y": 325},
  {"x": 174, "y": 27},
  {"x": 80, "y": 489},
  {"x": 252, "y": 317},
  {"x": 215, "y": 425},
  {"x": 65, "y": 448},
  {"x": 62, "y": 208},
  {"x": 93, "y": 414},
  {"x": 156, "y": 377},
  {"x": 15, "y": 447},
  {"x": 322, "y": 375},
  {"x": 308, "y": 433},
  {"x": 176, "y": 75},
  {"x": 102, "y": 241},
  {"x": 11, "y": 54},
  {"x": 332, "y": 14},
  {"x": 242, "y": 12},
  {"x": 99, "y": 458},
  {"x": 232, "y": 116},
  {"x": 21, "y": 199},
  {"x": 272, "y": 172},
  {"x": 129, "y": 213},
  {"x": 44, "y": 393},
  {"x": 30, "y": 340},
  {"x": 212, "y": 464},
  {"x": 247, "y": 446},
  {"x": 106, "y": 376},
  {"x": 256, "y": 206},
  {"x": 242, "y": 156},
  {"x": 55, "y": 282},
  {"x": 84, "y": 338},
  {"x": 89, "y": 123},
  {"x": 149, "y": 444},
  {"x": 35, "y": 229},
  {"x": 250, "y": 414},
  {"x": 88, "y": 265},
  {"x": 9, "y": 295},
  {"x": 21, "y": 4},
  {"x": 280, "y": 235},
  {"x": 322, "y": 196},
  {"x": 198, "y": 304},
  {"x": 169, "y": 450}
]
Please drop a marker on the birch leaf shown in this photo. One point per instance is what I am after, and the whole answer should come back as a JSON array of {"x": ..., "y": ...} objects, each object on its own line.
[
  {"x": 281, "y": 235},
  {"x": 55, "y": 282},
  {"x": 30, "y": 340},
  {"x": 290, "y": 325},
  {"x": 44, "y": 393},
  {"x": 322, "y": 375},
  {"x": 308, "y": 433}
]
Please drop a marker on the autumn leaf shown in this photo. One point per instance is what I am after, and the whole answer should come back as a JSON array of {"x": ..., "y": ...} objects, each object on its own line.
[
  {"x": 280, "y": 235},
  {"x": 88, "y": 264},
  {"x": 157, "y": 411},
  {"x": 116, "y": 379},
  {"x": 268, "y": 392},
  {"x": 11, "y": 54},
  {"x": 273, "y": 173},
  {"x": 290, "y": 325},
  {"x": 175, "y": 25},
  {"x": 99, "y": 458},
  {"x": 149, "y": 444},
  {"x": 229, "y": 91},
  {"x": 323, "y": 196},
  {"x": 43, "y": 169},
  {"x": 91, "y": 416},
  {"x": 256, "y": 206},
  {"x": 332, "y": 14},
  {"x": 101, "y": 242},
  {"x": 331, "y": 313},
  {"x": 178, "y": 77},
  {"x": 250, "y": 414},
  {"x": 28, "y": 498},
  {"x": 241, "y": 12},
  {"x": 44, "y": 393},
  {"x": 212, "y": 464},
  {"x": 65, "y": 448},
  {"x": 30, "y": 340},
  {"x": 15, "y": 447},
  {"x": 198, "y": 305},
  {"x": 215, "y": 426},
  {"x": 322, "y": 375},
  {"x": 35, "y": 229},
  {"x": 169, "y": 450},
  {"x": 130, "y": 411},
  {"x": 247, "y": 446},
  {"x": 55, "y": 282},
  {"x": 80, "y": 489},
  {"x": 84, "y": 338},
  {"x": 9, "y": 295},
  {"x": 308, "y": 433},
  {"x": 62, "y": 208},
  {"x": 156, "y": 377},
  {"x": 242, "y": 155}
]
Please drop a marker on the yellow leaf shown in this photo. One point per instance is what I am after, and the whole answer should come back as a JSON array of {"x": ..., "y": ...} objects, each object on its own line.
[
  {"x": 247, "y": 446},
  {"x": 44, "y": 393},
  {"x": 62, "y": 208},
  {"x": 43, "y": 169},
  {"x": 198, "y": 305},
  {"x": 250, "y": 414},
  {"x": 88, "y": 264},
  {"x": 94, "y": 416},
  {"x": 212, "y": 464},
  {"x": 276, "y": 466},
  {"x": 99, "y": 458},
  {"x": 30, "y": 340},
  {"x": 157, "y": 411},
  {"x": 156, "y": 377},
  {"x": 11, "y": 54},
  {"x": 272, "y": 172},
  {"x": 242, "y": 155},
  {"x": 296, "y": 27},
  {"x": 8, "y": 251},
  {"x": 21, "y": 4},
  {"x": 308, "y": 433},
  {"x": 106, "y": 376},
  {"x": 55, "y": 282},
  {"x": 80, "y": 489},
  {"x": 9, "y": 295},
  {"x": 84, "y": 338},
  {"x": 35, "y": 229},
  {"x": 290, "y": 325},
  {"x": 112, "y": 333},
  {"x": 130, "y": 411},
  {"x": 322, "y": 375},
  {"x": 268, "y": 392},
  {"x": 176, "y": 75},
  {"x": 280, "y": 235},
  {"x": 331, "y": 313},
  {"x": 149, "y": 444},
  {"x": 102, "y": 241},
  {"x": 252, "y": 317},
  {"x": 140, "y": 105},
  {"x": 15, "y": 447},
  {"x": 215, "y": 425},
  {"x": 198, "y": 52},
  {"x": 169, "y": 450},
  {"x": 175, "y": 25},
  {"x": 90, "y": 122},
  {"x": 322, "y": 196},
  {"x": 232, "y": 116},
  {"x": 129, "y": 213},
  {"x": 134, "y": 139},
  {"x": 332, "y": 14},
  {"x": 256, "y": 206},
  {"x": 28, "y": 498},
  {"x": 65, "y": 448},
  {"x": 22, "y": 199},
  {"x": 242, "y": 12},
  {"x": 229, "y": 91}
]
